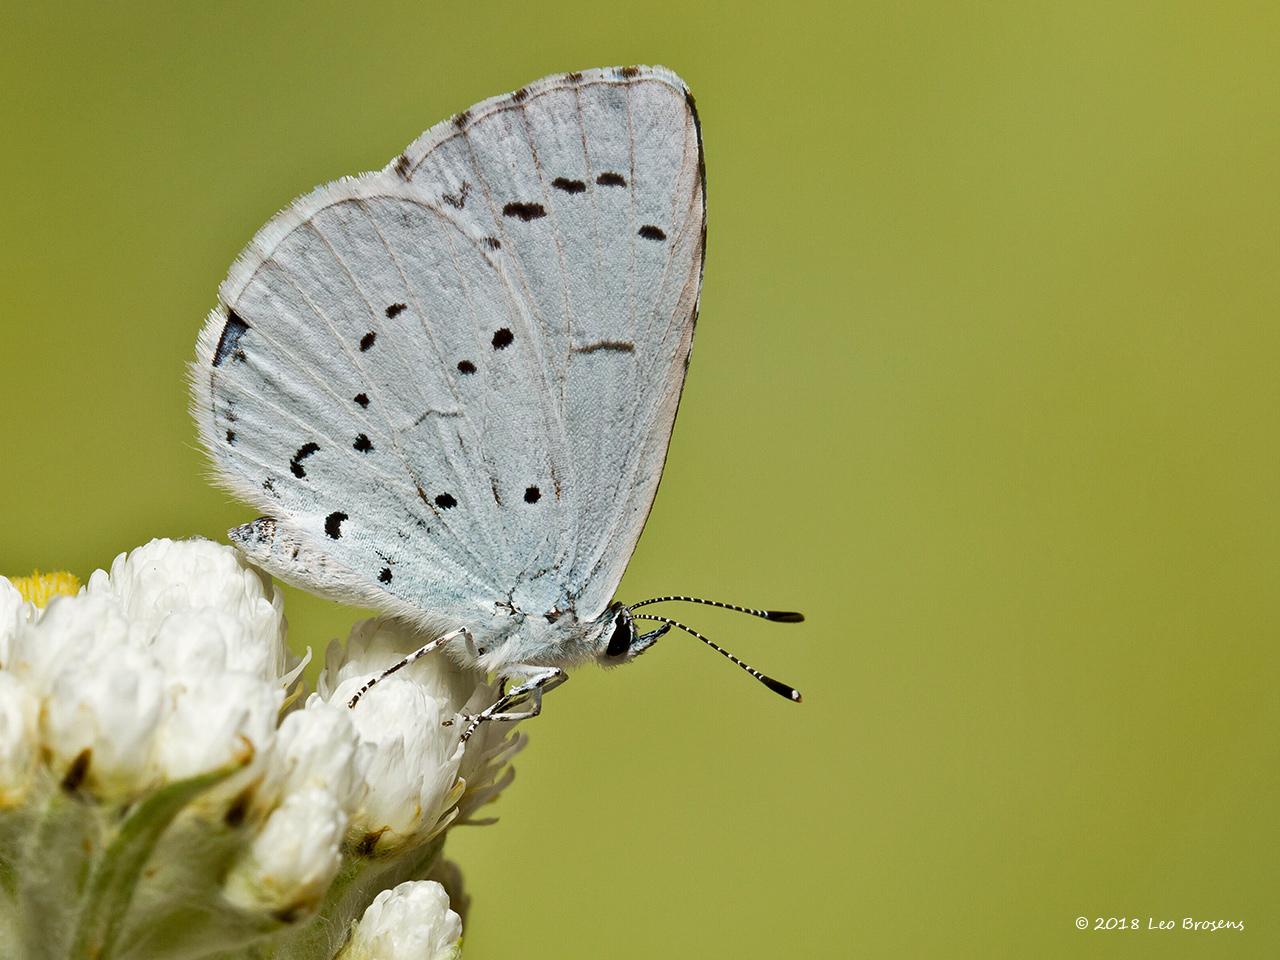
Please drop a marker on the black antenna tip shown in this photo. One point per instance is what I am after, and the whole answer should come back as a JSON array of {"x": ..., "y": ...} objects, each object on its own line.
[
  {"x": 784, "y": 616},
  {"x": 791, "y": 693}
]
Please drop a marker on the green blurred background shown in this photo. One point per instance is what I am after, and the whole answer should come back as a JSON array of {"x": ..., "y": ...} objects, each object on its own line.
[{"x": 986, "y": 383}]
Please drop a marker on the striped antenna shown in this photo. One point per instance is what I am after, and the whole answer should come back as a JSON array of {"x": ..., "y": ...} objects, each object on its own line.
[
  {"x": 791, "y": 693},
  {"x": 777, "y": 616}
]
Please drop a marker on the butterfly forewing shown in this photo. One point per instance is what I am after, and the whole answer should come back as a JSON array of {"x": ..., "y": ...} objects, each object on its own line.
[{"x": 457, "y": 377}]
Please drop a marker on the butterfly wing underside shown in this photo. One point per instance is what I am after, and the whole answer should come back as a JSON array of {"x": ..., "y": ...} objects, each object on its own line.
[{"x": 453, "y": 382}]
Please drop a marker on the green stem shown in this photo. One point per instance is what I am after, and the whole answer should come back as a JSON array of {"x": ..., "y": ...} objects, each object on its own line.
[
  {"x": 105, "y": 903},
  {"x": 55, "y": 865}
]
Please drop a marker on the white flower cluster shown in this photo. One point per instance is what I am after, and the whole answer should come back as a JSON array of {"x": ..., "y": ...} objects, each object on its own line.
[{"x": 187, "y": 803}]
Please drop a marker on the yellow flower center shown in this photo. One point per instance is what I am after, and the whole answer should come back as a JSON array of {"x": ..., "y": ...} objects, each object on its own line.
[{"x": 40, "y": 588}]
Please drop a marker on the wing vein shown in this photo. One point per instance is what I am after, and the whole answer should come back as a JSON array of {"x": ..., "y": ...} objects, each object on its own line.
[
  {"x": 415, "y": 482},
  {"x": 439, "y": 357}
]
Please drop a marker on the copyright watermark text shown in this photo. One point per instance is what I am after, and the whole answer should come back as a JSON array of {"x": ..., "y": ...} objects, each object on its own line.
[{"x": 1157, "y": 923}]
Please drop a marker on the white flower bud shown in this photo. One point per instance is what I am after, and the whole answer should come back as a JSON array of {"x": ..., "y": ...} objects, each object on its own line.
[
  {"x": 18, "y": 716},
  {"x": 294, "y": 858},
  {"x": 375, "y": 645},
  {"x": 104, "y": 710},
  {"x": 168, "y": 577},
  {"x": 215, "y": 720},
  {"x": 415, "y": 763},
  {"x": 72, "y": 630},
  {"x": 318, "y": 747},
  {"x": 196, "y": 642},
  {"x": 409, "y": 922},
  {"x": 14, "y": 612}
]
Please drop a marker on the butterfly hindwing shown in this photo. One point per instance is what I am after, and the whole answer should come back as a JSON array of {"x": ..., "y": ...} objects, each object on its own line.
[{"x": 358, "y": 410}]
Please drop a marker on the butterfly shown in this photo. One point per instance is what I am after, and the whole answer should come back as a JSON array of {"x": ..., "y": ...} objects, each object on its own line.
[{"x": 451, "y": 383}]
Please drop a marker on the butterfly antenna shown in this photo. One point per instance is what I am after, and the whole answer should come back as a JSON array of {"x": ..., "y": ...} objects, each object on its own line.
[
  {"x": 777, "y": 616},
  {"x": 791, "y": 693}
]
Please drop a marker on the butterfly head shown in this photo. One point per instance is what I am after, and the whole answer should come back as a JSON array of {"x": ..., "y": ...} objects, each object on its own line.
[{"x": 618, "y": 640}]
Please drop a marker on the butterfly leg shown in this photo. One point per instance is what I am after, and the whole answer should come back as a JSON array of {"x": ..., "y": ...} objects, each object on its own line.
[
  {"x": 422, "y": 651},
  {"x": 545, "y": 680},
  {"x": 536, "y": 681}
]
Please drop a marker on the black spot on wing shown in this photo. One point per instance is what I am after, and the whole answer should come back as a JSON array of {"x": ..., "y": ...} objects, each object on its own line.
[
  {"x": 229, "y": 341},
  {"x": 569, "y": 186},
  {"x": 524, "y": 211},
  {"x": 304, "y": 451},
  {"x": 402, "y": 167},
  {"x": 395, "y": 310},
  {"x": 457, "y": 200},
  {"x": 466, "y": 366},
  {"x": 617, "y": 346},
  {"x": 573, "y": 77},
  {"x": 628, "y": 73},
  {"x": 261, "y": 531},
  {"x": 492, "y": 243},
  {"x": 611, "y": 180},
  {"x": 445, "y": 501},
  {"x": 231, "y": 437},
  {"x": 363, "y": 443},
  {"x": 462, "y": 119},
  {"x": 532, "y": 495},
  {"x": 362, "y": 399},
  {"x": 385, "y": 575},
  {"x": 367, "y": 340},
  {"x": 502, "y": 338},
  {"x": 333, "y": 524},
  {"x": 650, "y": 232},
  {"x": 432, "y": 412},
  {"x": 520, "y": 95}
]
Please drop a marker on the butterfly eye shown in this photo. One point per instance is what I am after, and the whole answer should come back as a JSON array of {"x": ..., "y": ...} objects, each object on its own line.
[{"x": 620, "y": 642}]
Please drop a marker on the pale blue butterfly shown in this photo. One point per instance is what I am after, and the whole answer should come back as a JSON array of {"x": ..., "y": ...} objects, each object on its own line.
[{"x": 452, "y": 382}]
